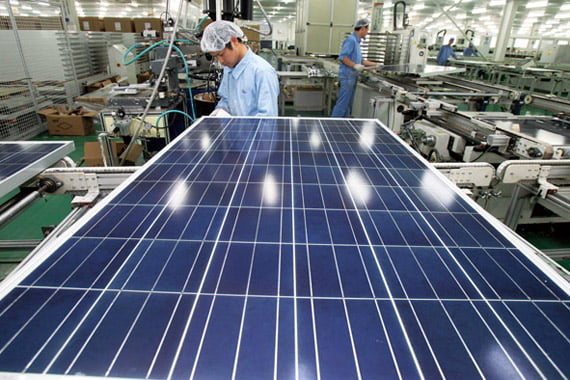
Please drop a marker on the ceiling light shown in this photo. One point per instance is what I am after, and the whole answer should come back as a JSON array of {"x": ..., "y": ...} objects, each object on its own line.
[
  {"x": 479, "y": 10},
  {"x": 538, "y": 13},
  {"x": 496, "y": 3},
  {"x": 44, "y": 4},
  {"x": 537, "y": 4},
  {"x": 562, "y": 15},
  {"x": 565, "y": 7}
]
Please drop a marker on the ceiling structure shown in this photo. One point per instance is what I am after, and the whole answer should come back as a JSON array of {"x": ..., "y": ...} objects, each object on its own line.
[{"x": 546, "y": 18}]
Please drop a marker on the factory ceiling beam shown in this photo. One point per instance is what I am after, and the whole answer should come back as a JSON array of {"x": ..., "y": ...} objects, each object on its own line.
[{"x": 509, "y": 13}]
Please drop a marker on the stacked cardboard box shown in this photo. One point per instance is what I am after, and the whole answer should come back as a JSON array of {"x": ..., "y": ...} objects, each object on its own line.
[
  {"x": 68, "y": 121},
  {"x": 116, "y": 24},
  {"x": 142, "y": 24},
  {"x": 92, "y": 24}
]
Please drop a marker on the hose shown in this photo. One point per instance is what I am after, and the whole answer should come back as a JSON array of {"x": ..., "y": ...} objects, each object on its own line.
[
  {"x": 155, "y": 89},
  {"x": 181, "y": 56},
  {"x": 172, "y": 111}
]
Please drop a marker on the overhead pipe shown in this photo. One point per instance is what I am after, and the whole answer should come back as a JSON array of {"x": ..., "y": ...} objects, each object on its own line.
[{"x": 404, "y": 17}]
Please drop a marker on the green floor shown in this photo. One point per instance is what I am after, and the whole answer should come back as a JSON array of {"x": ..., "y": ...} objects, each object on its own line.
[{"x": 45, "y": 212}]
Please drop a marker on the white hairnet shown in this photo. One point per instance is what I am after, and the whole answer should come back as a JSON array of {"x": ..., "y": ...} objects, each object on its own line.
[
  {"x": 362, "y": 22},
  {"x": 218, "y": 34}
]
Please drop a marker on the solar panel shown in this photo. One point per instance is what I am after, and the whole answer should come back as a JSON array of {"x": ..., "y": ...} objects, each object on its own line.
[
  {"x": 22, "y": 161},
  {"x": 287, "y": 248}
]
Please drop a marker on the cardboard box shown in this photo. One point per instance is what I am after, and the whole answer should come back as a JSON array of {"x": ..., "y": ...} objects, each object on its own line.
[
  {"x": 63, "y": 122},
  {"x": 250, "y": 34},
  {"x": 92, "y": 153},
  {"x": 92, "y": 24},
  {"x": 116, "y": 24},
  {"x": 142, "y": 24}
]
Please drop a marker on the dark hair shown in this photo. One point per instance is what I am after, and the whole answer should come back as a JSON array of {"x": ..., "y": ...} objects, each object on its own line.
[
  {"x": 229, "y": 44},
  {"x": 360, "y": 27}
]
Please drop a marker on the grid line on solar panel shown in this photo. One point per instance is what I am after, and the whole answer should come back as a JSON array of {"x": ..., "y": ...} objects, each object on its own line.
[
  {"x": 16, "y": 156},
  {"x": 305, "y": 289}
]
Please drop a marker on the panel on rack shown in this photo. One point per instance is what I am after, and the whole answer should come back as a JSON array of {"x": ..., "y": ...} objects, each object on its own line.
[
  {"x": 21, "y": 161},
  {"x": 287, "y": 248}
]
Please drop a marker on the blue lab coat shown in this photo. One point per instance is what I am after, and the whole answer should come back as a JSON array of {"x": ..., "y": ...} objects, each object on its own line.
[
  {"x": 347, "y": 76},
  {"x": 468, "y": 52},
  {"x": 251, "y": 88},
  {"x": 443, "y": 55}
]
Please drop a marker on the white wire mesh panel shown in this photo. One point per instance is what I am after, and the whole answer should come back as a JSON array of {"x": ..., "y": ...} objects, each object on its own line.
[{"x": 31, "y": 71}]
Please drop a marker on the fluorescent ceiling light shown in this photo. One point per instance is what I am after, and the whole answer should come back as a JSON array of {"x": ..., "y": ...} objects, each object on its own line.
[
  {"x": 538, "y": 13},
  {"x": 537, "y": 4},
  {"x": 44, "y": 4},
  {"x": 565, "y": 7},
  {"x": 562, "y": 15},
  {"x": 479, "y": 10},
  {"x": 496, "y": 3}
]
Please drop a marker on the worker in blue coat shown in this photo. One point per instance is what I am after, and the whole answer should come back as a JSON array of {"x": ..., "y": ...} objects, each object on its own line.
[
  {"x": 351, "y": 63},
  {"x": 445, "y": 52},
  {"x": 470, "y": 51},
  {"x": 249, "y": 84}
]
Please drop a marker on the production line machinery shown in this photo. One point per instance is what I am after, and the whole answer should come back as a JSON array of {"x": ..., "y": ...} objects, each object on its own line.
[
  {"x": 306, "y": 83},
  {"x": 516, "y": 167},
  {"x": 421, "y": 105}
]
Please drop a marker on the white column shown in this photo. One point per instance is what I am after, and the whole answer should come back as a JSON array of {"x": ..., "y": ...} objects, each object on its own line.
[
  {"x": 218, "y": 10},
  {"x": 509, "y": 12},
  {"x": 69, "y": 15}
]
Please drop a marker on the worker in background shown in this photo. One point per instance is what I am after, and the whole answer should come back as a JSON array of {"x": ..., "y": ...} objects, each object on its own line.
[
  {"x": 445, "y": 52},
  {"x": 470, "y": 51},
  {"x": 351, "y": 63},
  {"x": 249, "y": 85}
]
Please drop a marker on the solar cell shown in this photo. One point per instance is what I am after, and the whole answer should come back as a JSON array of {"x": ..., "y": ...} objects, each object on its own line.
[
  {"x": 287, "y": 248},
  {"x": 21, "y": 161}
]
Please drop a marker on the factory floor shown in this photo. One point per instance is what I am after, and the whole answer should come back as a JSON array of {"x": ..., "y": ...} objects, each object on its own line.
[{"x": 51, "y": 209}]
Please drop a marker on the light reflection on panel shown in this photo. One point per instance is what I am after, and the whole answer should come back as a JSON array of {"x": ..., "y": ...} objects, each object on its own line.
[{"x": 287, "y": 248}]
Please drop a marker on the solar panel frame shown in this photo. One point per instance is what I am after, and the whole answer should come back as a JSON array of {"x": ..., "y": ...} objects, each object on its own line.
[
  {"x": 32, "y": 157},
  {"x": 344, "y": 318}
]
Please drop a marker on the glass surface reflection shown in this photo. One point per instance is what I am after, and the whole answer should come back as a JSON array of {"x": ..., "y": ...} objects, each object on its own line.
[
  {"x": 315, "y": 140},
  {"x": 358, "y": 187},
  {"x": 270, "y": 190},
  {"x": 177, "y": 195},
  {"x": 432, "y": 187},
  {"x": 367, "y": 136},
  {"x": 205, "y": 142}
]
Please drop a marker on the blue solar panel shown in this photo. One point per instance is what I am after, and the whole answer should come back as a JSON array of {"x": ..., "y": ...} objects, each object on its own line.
[
  {"x": 21, "y": 161},
  {"x": 287, "y": 248}
]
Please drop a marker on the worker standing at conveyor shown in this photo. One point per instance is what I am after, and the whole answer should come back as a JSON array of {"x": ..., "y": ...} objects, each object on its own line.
[
  {"x": 249, "y": 85},
  {"x": 351, "y": 63},
  {"x": 470, "y": 51},
  {"x": 445, "y": 52}
]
